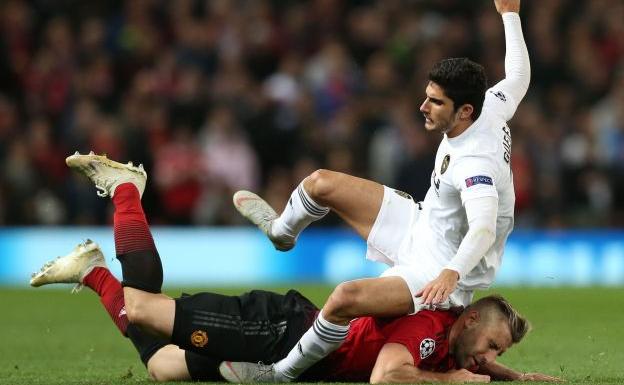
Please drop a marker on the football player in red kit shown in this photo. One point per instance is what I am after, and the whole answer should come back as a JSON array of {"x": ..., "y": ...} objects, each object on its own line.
[{"x": 189, "y": 337}]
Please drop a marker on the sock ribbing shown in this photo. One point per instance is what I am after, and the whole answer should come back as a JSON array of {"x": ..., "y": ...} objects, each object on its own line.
[
  {"x": 300, "y": 211},
  {"x": 321, "y": 339},
  {"x": 130, "y": 225},
  {"x": 134, "y": 245},
  {"x": 313, "y": 208},
  {"x": 329, "y": 332}
]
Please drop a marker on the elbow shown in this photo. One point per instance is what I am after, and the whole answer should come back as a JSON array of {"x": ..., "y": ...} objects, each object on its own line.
[
  {"x": 487, "y": 234},
  {"x": 525, "y": 82},
  {"x": 379, "y": 378},
  {"x": 490, "y": 236},
  {"x": 525, "y": 78}
]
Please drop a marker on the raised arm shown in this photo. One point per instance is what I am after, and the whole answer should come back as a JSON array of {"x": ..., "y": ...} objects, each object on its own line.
[
  {"x": 395, "y": 365},
  {"x": 517, "y": 64}
]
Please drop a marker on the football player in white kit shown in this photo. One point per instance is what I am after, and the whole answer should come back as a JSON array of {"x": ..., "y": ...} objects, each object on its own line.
[{"x": 441, "y": 249}]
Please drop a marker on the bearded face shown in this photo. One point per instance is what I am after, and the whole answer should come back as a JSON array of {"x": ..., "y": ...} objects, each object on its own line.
[{"x": 480, "y": 342}]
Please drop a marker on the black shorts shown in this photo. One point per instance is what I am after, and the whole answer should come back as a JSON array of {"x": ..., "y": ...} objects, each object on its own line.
[{"x": 256, "y": 326}]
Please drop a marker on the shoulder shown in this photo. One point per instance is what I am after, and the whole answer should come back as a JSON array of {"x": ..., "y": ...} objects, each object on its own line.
[
  {"x": 421, "y": 333},
  {"x": 469, "y": 164},
  {"x": 481, "y": 138},
  {"x": 439, "y": 318},
  {"x": 429, "y": 322},
  {"x": 500, "y": 103}
]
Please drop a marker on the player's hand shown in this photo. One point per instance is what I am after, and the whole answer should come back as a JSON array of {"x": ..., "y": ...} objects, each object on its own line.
[
  {"x": 438, "y": 290},
  {"x": 539, "y": 377},
  {"x": 503, "y": 6},
  {"x": 463, "y": 375}
]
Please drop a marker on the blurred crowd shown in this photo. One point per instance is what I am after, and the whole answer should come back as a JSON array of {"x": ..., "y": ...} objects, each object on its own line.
[{"x": 213, "y": 96}]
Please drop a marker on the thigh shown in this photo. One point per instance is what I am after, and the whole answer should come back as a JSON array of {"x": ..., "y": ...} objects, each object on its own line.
[
  {"x": 168, "y": 364},
  {"x": 390, "y": 234},
  {"x": 357, "y": 201},
  {"x": 380, "y": 297},
  {"x": 153, "y": 312}
]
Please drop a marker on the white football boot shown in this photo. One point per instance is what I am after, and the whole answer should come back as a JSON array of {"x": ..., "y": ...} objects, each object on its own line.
[
  {"x": 71, "y": 268},
  {"x": 247, "y": 372},
  {"x": 107, "y": 174},
  {"x": 261, "y": 214}
]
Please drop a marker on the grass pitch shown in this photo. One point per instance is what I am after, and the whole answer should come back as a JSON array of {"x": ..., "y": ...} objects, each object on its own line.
[{"x": 52, "y": 337}]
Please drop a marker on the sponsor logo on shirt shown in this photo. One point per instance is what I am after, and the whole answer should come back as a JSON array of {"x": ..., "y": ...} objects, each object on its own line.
[
  {"x": 427, "y": 346},
  {"x": 499, "y": 95},
  {"x": 479, "y": 179}
]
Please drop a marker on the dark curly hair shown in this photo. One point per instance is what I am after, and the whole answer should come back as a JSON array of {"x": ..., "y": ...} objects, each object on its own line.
[{"x": 463, "y": 81}]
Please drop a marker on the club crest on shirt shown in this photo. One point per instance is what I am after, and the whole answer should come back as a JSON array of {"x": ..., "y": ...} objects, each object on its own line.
[
  {"x": 403, "y": 194},
  {"x": 199, "y": 338},
  {"x": 445, "y": 164},
  {"x": 427, "y": 346}
]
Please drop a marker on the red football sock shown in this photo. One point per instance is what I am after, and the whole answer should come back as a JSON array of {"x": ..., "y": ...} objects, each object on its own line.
[
  {"x": 110, "y": 291},
  {"x": 131, "y": 229},
  {"x": 134, "y": 245}
]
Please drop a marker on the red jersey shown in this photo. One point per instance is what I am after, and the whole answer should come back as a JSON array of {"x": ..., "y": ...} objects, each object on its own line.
[{"x": 424, "y": 334}]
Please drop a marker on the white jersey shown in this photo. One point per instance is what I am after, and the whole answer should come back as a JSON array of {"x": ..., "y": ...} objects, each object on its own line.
[
  {"x": 475, "y": 164},
  {"x": 418, "y": 241}
]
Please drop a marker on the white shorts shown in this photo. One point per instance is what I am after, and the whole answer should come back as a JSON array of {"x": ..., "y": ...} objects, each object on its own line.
[{"x": 390, "y": 241}]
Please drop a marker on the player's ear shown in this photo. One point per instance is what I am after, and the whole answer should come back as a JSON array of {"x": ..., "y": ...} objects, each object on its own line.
[
  {"x": 465, "y": 112},
  {"x": 472, "y": 318}
]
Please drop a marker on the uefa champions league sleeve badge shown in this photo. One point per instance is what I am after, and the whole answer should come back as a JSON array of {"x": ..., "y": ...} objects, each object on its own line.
[{"x": 427, "y": 346}]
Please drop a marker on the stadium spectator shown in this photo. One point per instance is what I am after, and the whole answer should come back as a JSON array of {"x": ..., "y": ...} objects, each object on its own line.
[{"x": 299, "y": 78}]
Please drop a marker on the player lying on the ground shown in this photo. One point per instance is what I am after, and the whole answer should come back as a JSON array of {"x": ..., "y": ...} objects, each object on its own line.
[
  {"x": 430, "y": 346},
  {"x": 440, "y": 250},
  {"x": 207, "y": 328}
]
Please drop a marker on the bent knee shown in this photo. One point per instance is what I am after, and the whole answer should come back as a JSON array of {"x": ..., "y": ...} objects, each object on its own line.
[
  {"x": 320, "y": 184},
  {"x": 136, "y": 312},
  {"x": 168, "y": 364},
  {"x": 343, "y": 303},
  {"x": 160, "y": 373}
]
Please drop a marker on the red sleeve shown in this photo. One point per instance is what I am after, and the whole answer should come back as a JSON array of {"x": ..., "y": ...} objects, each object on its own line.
[{"x": 416, "y": 333}]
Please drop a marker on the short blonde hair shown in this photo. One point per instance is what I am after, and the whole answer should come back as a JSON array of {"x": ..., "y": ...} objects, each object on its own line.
[{"x": 496, "y": 304}]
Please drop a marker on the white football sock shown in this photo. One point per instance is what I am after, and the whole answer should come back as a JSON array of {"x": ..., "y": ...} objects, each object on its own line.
[
  {"x": 300, "y": 211},
  {"x": 321, "y": 339}
]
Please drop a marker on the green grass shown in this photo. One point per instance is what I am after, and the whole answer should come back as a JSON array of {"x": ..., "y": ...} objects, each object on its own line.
[{"x": 52, "y": 337}]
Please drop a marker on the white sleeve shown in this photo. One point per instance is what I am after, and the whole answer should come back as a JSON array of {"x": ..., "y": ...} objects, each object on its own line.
[
  {"x": 474, "y": 177},
  {"x": 504, "y": 97},
  {"x": 481, "y": 214}
]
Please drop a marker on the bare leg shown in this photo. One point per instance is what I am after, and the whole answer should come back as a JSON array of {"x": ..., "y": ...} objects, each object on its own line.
[
  {"x": 376, "y": 297},
  {"x": 154, "y": 313},
  {"x": 382, "y": 297},
  {"x": 169, "y": 364},
  {"x": 357, "y": 201}
]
